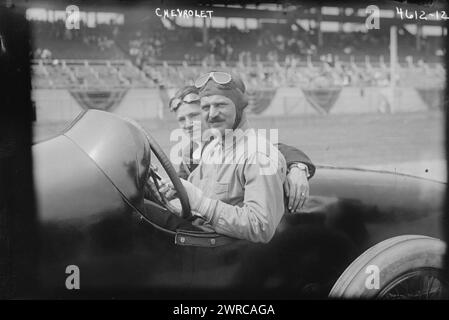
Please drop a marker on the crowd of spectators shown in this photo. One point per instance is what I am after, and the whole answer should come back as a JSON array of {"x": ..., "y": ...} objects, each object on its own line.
[
  {"x": 291, "y": 73},
  {"x": 295, "y": 73},
  {"x": 55, "y": 40},
  {"x": 146, "y": 50},
  {"x": 153, "y": 42},
  {"x": 270, "y": 56}
]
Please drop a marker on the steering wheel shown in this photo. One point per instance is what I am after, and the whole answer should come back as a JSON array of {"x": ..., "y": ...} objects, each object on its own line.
[{"x": 171, "y": 172}]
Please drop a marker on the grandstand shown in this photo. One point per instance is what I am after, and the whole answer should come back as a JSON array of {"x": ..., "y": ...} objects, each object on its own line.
[
  {"x": 271, "y": 47},
  {"x": 88, "y": 74},
  {"x": 283, "y": 50}
]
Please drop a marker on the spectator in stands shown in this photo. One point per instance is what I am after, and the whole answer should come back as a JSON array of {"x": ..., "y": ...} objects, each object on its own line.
[
  {"x": 46, "y": 54},
  {"x": 37, "y": 53}
]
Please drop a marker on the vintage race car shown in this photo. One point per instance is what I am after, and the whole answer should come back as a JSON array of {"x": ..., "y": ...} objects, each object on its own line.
[{"x": 361, "y": 234}]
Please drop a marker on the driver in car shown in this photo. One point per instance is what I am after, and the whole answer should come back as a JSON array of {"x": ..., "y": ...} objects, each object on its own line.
[
  {"x": 239, "y": 198},
  {"x": 186, "y": 106}
]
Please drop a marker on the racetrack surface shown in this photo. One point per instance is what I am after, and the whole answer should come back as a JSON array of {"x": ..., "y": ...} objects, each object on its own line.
[{"x": 412, "y": 143}]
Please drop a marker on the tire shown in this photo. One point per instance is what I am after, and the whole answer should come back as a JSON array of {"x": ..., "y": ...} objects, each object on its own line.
[{"x": 399, "y": 259}]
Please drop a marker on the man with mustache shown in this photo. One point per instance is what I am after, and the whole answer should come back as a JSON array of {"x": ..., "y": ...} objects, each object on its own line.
[
  {"x": 241, "y": 198},
  {"x": 186, "y": 106}
]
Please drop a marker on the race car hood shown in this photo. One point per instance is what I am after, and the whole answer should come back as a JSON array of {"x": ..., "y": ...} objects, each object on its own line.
[{"x": 98, "y": 165}]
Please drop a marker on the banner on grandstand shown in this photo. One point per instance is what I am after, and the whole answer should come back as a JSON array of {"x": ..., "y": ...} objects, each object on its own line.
[
  {"x": 433, "y": 97},
  {"x": 106, "y": 100},
  {"x": 260, "y": 99},
  {"x": 322, "y": 99}
]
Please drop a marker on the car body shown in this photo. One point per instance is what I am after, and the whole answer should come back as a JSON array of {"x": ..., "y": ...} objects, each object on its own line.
[{"x": 89, "y": 183}]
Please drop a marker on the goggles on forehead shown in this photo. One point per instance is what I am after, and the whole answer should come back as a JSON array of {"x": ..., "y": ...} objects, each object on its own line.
[
  {"x": 189, "y": 98},
  {"x": 218, "y": 76}
]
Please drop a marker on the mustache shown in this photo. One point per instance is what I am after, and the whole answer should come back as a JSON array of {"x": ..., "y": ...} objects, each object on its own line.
[{"x": 216, "y": 119}]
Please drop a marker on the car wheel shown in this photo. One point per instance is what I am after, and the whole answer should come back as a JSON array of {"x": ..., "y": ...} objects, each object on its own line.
[{"x": 406, "y": 267}]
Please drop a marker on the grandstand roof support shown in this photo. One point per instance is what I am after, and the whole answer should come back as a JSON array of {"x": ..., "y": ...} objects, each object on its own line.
[
  {"x": 205, "y": 32},
  {"x": 319, "y": 18},
  {"x": 341, "y": 13},
  {"x": 393, "y": 65},
  {"x": 418, "y": 37}
]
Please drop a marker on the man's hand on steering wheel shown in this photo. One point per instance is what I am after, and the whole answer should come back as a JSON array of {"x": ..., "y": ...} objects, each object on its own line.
[
  {"x": 195, "y": 195},
  {"x": 164, "y": 192},
  {"x": 176, "y": 184},
  {"x": 167, "y": 189}
]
